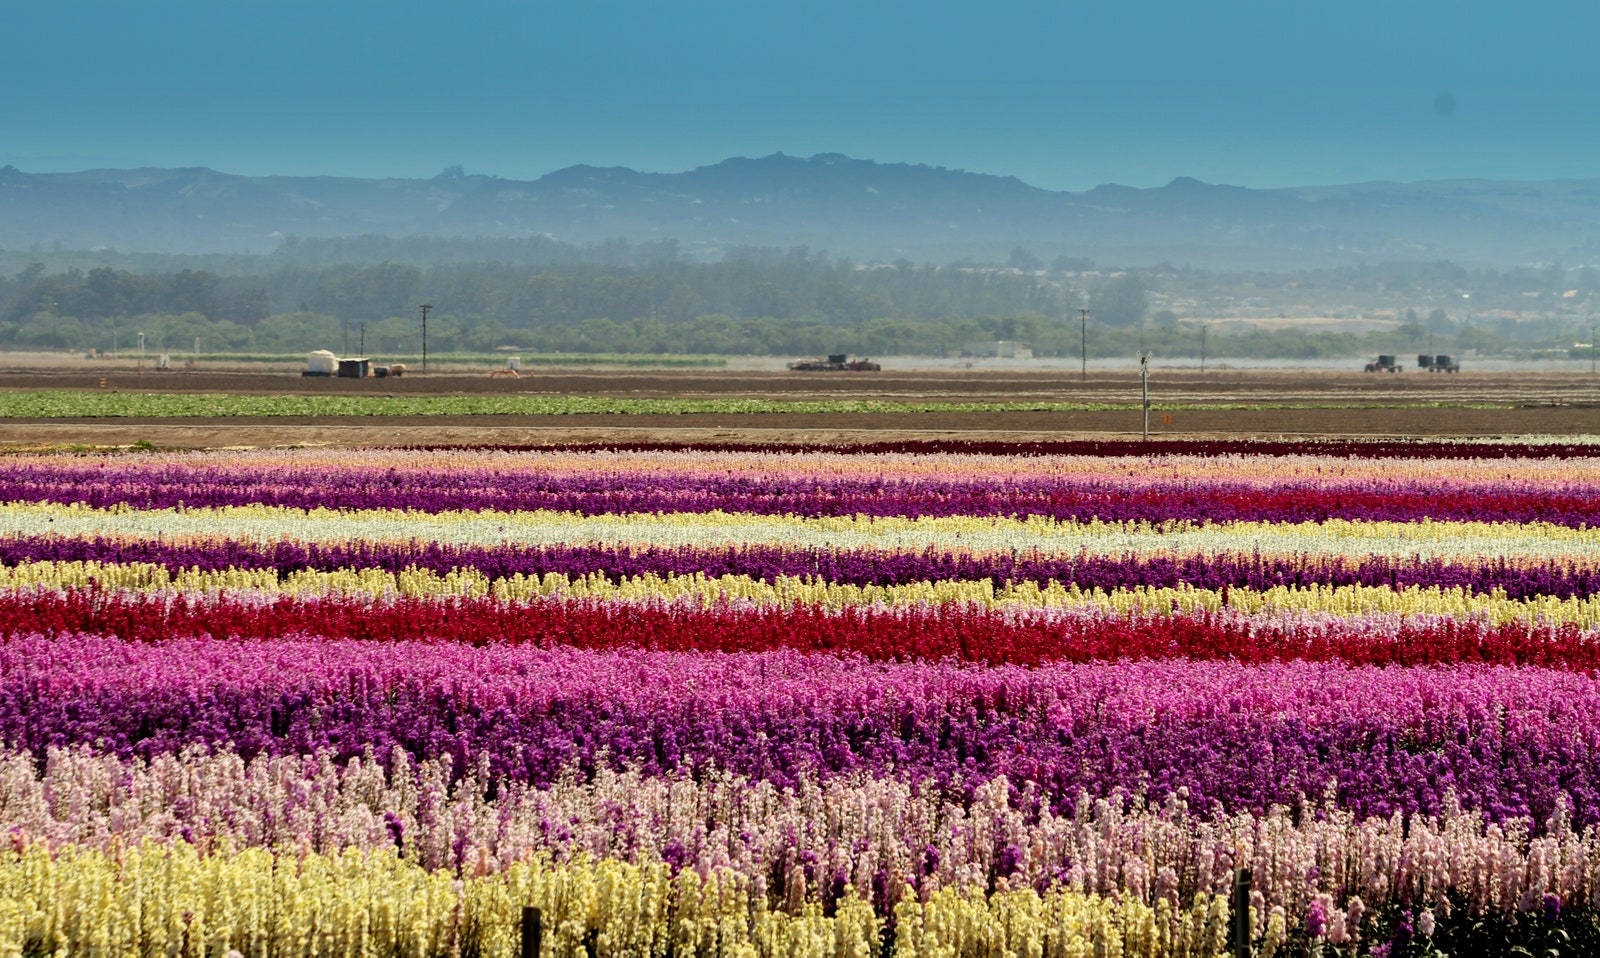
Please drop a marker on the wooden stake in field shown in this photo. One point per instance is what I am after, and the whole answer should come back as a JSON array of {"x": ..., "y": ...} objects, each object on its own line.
[
  {"x": 1083, "y": 342},
  {"x": 425, "y": 307},
  {"x": 532, "y": 937},
  {"x": 1239, "y": 914},
  {"x": 1144, "y": 388}
]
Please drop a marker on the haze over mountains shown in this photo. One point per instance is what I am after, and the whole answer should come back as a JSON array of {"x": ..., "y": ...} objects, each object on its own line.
[{"x": 849, "y": 207}]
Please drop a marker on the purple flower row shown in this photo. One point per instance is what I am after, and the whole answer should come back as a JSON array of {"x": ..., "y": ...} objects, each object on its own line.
[
  {"x": 1556, "y": 577},
  {"x": 1068, "y": 497},
  {"x": 1509, "y": 742}
]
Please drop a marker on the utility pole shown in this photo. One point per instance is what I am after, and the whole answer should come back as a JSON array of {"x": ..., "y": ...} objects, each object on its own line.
[
  {"x": 1594, "y": 346},
  {"x": 363, "y": 339},
  {"x": 425, "y": 307},
  {"x": 1144, "y": 388},
  {"x": 1203, "y": 328},
  {"x": 1083, "y": 340}
]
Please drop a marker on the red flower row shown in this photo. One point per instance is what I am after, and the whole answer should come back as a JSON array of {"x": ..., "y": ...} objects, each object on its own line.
[{"x": 964, "y": 633}]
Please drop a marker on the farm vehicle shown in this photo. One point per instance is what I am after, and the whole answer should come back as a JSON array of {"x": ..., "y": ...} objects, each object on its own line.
[
  {"x": 837, "y": 362},
  {"x": 1383, "y": 364}
]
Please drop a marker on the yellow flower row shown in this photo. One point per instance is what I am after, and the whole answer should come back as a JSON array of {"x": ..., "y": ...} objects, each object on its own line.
[
  {"x": 707, "y": 591},
  {"x": 259, "y": 523},
  {"x": 159, "y": 899}
]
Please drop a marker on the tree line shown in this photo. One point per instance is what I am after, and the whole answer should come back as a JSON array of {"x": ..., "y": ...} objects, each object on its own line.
[
  {"x": 794, "y": 302},
  {"x": 544, "y": 296}
]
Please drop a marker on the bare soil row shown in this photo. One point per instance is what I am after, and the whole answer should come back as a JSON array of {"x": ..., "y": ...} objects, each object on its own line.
[
  {"x": 823, "y": 428},
  {"x": 1264, "y": 386},
  {"x": 1564, "y": 404}
]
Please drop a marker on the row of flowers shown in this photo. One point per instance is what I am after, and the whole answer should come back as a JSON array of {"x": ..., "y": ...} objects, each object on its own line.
[
  {"x": 488, "y": 469},
  {"x": 1018, "y": 636},
  {"x": 1463, "y": 449},
  {"x": 798, "y": 845},
  {"x": 1192, "y": 495},
  {"x": 1467, "y": 542},
  {"x": 1563, "y": 578},
  {"x": 1495, "y": 609},
  {"x": 168, "y": 899},
  {"x": 1512, "y": 743}
]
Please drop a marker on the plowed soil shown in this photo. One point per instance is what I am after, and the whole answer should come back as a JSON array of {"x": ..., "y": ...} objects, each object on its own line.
[
  {"x": 1539, "y": 402},
  {"x": 1266, "y": 386}
]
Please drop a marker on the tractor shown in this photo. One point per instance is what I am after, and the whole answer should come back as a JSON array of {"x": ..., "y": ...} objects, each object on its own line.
[{"x": 836, "y": 362}]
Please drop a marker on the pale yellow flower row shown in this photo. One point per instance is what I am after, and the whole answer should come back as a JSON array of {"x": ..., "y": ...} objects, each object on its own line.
[
  {"x": 707, "y": 591},
  {"x": 158, "y": 899},
  {"x": 259, "y": 523},
  {"x": 491, "y": 463}
]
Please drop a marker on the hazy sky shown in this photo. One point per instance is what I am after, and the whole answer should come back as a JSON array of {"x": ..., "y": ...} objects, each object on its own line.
[{"x": 1063, "y": 95}]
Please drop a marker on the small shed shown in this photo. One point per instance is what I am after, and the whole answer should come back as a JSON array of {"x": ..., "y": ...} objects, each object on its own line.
[{"x": 357, "y": 368}]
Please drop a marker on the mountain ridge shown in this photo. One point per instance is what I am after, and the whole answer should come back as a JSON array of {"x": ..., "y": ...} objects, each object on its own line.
[{"x": 849, "y": 206}]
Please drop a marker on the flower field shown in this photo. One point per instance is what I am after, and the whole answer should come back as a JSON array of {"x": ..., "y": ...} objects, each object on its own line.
[{"x": 933, "y": 700}]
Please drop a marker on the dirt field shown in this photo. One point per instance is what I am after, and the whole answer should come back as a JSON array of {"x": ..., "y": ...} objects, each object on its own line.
[
  {"x": 1266, "y": 386},
  {"x": 1543, "y": 402}
]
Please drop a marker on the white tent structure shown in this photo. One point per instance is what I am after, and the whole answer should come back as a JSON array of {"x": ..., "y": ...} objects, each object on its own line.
[{"x": 322, "y": 362}]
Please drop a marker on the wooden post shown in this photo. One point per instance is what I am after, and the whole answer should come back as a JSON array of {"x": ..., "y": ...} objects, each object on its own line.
[
  {"x": 532, "y": 932},
  {"x": 1239, "y": 920},
  {"x": 1144, "y": 388},
  {"x": 1083, "y": 342},
  {"x": 425, "y": 307}
]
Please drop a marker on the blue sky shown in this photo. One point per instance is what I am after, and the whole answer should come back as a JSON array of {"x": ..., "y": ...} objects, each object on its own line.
[{"x": 1063, "y": 95}]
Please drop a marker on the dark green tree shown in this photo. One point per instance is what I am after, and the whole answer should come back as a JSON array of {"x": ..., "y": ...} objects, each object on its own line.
[{"x": 1120, "y": 302}]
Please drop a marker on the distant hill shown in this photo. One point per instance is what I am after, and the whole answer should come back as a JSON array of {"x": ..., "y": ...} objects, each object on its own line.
[{"x": 848, "y": 207}]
